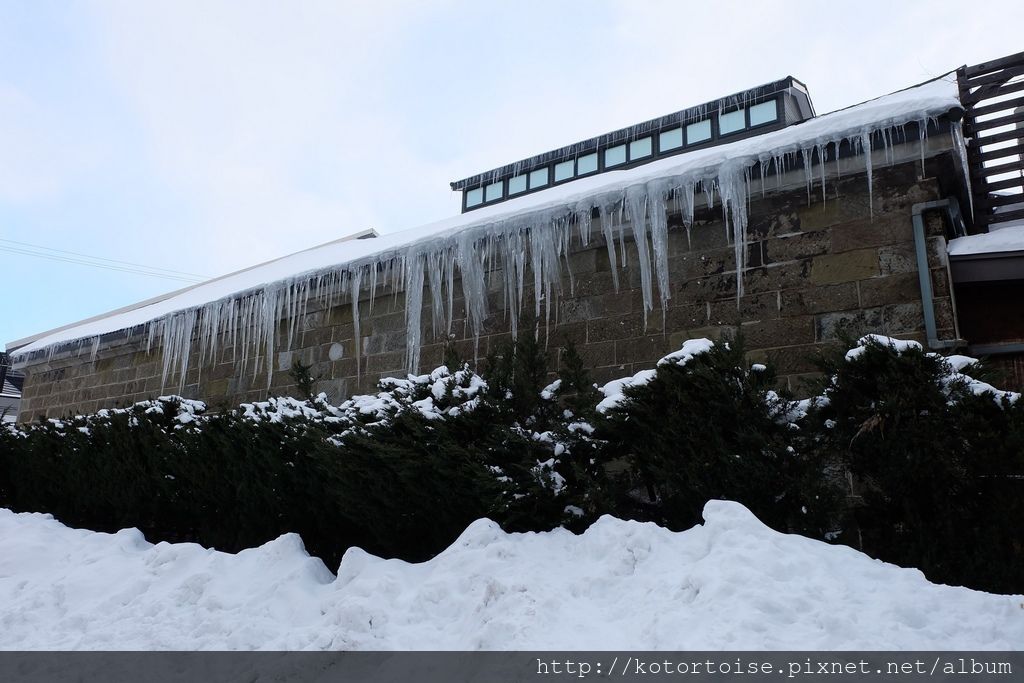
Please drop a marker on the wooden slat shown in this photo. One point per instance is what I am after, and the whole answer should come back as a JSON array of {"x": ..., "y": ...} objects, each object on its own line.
[
  {"x": 993, "y": 65},
  {"x": 974, "y": 126},
  {"x": 989, "y": 171},
  {"x": 997, "y": 106},
  {"x": 999, "y": 137},
  {"x": 1006, "y": 217},
  {"x": 999, "y": 77},
  {"x": 1004, "y": 184},
  {"x": 998, "y": 200},
  {"x": 989, "y": 92},
  {"x": 975, "y": 155}
]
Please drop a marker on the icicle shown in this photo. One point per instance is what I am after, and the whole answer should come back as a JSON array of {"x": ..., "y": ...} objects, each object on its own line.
[
  {"x": 413, "y": 309},
  {"x": 609, "y": 238},
  {"x": 808, "y": 171},
  {"x": 636, "y": 199},
  {"x": 821, "y": 149},
  {"x": 957, "y": 130},
  {"x": 865, "y": 144},
  {"x": 733, "y": 185},
  {"x": 355, "y": 283}
]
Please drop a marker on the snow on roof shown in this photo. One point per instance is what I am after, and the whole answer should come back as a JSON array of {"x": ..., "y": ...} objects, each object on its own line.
[
  {"x": 854, "y": 124},
  {"x": 1001, "y": 240}
]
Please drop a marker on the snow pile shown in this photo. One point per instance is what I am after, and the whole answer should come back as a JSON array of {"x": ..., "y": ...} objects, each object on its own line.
[
  {"x": 530, "y": 234},
  {"x": 731, "y": 583}
]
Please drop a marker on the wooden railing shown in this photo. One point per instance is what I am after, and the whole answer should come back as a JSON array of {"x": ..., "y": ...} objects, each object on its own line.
[{"x": 993, "y": 97}]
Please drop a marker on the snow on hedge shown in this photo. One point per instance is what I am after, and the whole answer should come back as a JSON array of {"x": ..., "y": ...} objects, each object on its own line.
[{"x": 730, "y": 583}]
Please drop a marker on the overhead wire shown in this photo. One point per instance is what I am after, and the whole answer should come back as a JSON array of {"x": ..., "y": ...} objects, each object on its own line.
[{"x": 66, "y": 256}]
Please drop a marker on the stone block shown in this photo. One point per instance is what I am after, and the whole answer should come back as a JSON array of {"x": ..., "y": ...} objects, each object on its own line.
[
  {"x": 641, "y": 350},
  {"x": 763, "y": 306},
  {"x": 597, "y": 354},
  {"x": 760, "y": 334},
  {"x": 835, "y": 326},
  {"x": 797, "y": 246},
  {"x": 708, "y": 236},
  {"x": 579, "y": 310},
  {"x": 881, "y": 230},
  {"x": 899, "y": 258},
  {"x": 893, "y": 289},
  {"x": 820, "y": 299},
  {"x": 797, "y": 359},
  {"x": 903, "y": 318},
  {"x": 621, "y": 327},
  {"x": 775, "y": 277},
  {"x": 845, "y": 267},
  {"x": 819, "y": 215}
]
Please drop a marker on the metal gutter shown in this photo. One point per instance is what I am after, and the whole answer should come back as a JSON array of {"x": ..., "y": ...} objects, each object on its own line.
[{"x": 924, "y": 276}]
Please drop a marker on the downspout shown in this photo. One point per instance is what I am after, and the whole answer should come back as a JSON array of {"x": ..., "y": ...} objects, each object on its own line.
[{"x": 952, "y": 208}]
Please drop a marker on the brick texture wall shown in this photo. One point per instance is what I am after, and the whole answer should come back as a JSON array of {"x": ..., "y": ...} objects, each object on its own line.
[{"x": 816, "y": 271}]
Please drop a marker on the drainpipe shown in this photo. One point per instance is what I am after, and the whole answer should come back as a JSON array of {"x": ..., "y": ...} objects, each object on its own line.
[{"x": 952, "y": 208}]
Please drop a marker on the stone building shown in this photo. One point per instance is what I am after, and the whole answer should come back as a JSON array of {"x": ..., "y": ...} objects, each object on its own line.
[{"x": 747, "y": 215}]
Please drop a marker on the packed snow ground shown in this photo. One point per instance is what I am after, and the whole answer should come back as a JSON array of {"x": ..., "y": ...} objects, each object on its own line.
[{"x": 730, "y": 583}]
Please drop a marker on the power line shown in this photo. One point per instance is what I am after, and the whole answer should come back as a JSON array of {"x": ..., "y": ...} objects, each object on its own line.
[
  {"x": 63, "y": 259},
  {"x": 108, "y": 260}
]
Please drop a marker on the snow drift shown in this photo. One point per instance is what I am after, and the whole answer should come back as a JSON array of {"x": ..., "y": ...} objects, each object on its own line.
[{"x": 731, "y": 583}]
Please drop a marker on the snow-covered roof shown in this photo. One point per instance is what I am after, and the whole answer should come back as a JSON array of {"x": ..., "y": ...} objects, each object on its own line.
[
  {"x": 921, "y": 104},
  {"x": 1003, "y": 240}
]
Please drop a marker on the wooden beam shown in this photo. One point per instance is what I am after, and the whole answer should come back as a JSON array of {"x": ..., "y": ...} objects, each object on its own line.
[{"x": 993, "y": 65}]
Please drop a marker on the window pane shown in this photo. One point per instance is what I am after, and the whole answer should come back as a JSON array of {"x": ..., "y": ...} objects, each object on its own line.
[
  {"x": 698, "y": 132},
  {"x": 493, "y": 191},
  {"x": 670, "y": 139},
  {"x": 539, "y": 178},
  {"x": 564, "y": 170},
  {"x": 517, "y": 184},
  {"x": 731, "y": 122},
  {"x": 763, "y": 113},
  {"x": 613, "y": 156},
  {"x": 586, "y": 164},
  {"x": 474, "y": 197},
  {"x": 638, "y": 149}
]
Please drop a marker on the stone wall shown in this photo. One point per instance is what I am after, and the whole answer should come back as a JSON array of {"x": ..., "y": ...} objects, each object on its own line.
[{"x": 816, "y": 271}]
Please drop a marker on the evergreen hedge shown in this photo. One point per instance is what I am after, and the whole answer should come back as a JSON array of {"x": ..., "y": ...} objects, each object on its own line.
[{"x": 936, "y": 457}]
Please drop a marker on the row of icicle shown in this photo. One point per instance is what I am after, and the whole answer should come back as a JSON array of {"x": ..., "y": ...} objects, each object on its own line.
[{"x": 496, "y": 254}]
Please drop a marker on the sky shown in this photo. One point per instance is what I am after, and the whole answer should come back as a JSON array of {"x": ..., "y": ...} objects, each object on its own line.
[{"x": 206, "y": 136}]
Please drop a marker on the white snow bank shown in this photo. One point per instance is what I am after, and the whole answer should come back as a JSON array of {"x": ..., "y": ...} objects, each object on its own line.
[
  {"x": 731, "y": 583},
  {"x": 1004, "y": 239},
  {"x": 854, "y": 124}
]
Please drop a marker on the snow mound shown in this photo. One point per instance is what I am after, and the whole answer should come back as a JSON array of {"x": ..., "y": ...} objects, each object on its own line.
[{"x": 731, "y": 583}]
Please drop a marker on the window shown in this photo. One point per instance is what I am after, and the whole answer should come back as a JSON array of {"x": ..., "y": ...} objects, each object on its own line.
[
  {"x": 638, "y": 149},
  {"x": 517, "y": 184},
  {"x": 493, "y": 192},
  {"x": 698, "y": 132},
  {"x": 564, "y": 170},
  {"x": 670, "y": 139},
  {"x": 732, "y": 122},
  {"x": 539, "y": 178},
  {"x": 763, "y": 113},
  {"x": 474, "y": 197},
  {"x": 586, "y": 164},
  {"x": 613, "y": 156}
]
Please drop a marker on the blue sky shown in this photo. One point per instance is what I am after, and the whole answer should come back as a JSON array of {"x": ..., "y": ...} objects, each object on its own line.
[{"x": 208, "y": 136}]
